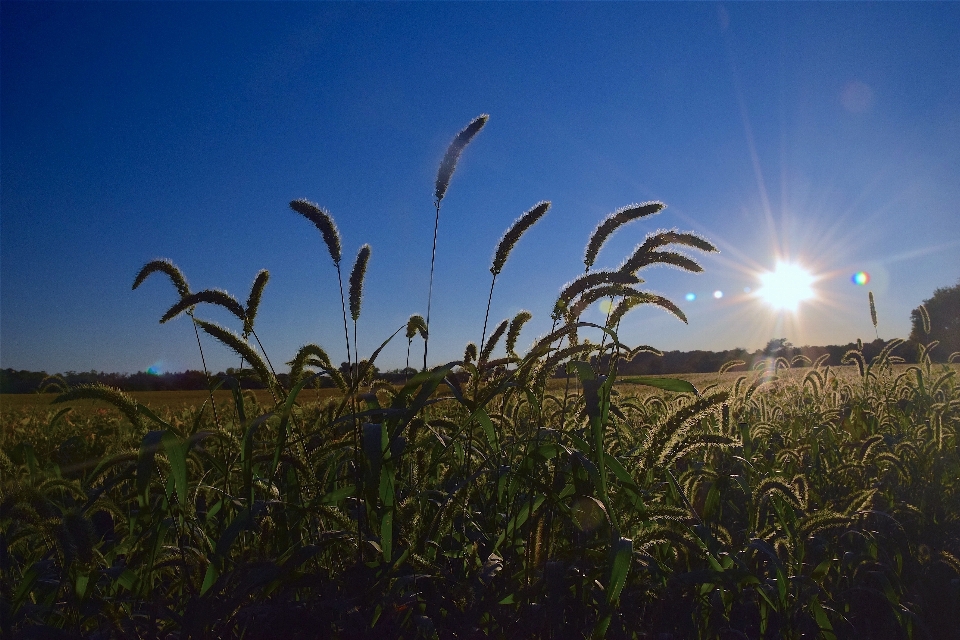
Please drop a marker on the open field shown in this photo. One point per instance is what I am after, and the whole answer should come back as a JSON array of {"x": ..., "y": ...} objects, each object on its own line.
[
  {"x": 697, "y": 514},
  {"x": 177, "y": 400},
  {"x": 485, "y": 498}
]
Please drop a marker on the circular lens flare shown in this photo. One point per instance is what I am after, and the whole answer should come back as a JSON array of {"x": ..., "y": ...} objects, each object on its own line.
[
  {"x": 786, "y": 286},
  {"x": 860, "y": 277}
]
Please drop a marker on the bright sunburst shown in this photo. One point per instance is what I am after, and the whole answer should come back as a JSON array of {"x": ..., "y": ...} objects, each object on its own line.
[{"x": 786, "y": 286}]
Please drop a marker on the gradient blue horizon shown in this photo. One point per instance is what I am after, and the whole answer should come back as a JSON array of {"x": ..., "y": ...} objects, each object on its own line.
[{"x": 828, "y": 134}]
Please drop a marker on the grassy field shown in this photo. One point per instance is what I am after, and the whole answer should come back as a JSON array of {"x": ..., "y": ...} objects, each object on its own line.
[
  {"x": 486, "y": 498},
  {"x": 176, "y": 400}
]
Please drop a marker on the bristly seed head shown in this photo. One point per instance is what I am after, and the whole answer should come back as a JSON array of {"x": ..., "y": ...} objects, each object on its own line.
[
  {"x": 514, "y": 331},
  {"x": 492, "y": 342},
  {"x": 925, "y": 316},
  {"x": 513, "y": 234},
  {"x": 450, "y": 158},
  {"x": 208, "y": 296},
  {"x": 614, "y": 221},
  {"x": 253, "y": 300},
  {"x": 645, "y": 254},
  {"x": 323, "y": 222},
  {"x": 470, "y": 353},
  {"x": 356, "y": 280},
  {"x": 164, "y": 266},
  {"x": 416, "y": 324}
]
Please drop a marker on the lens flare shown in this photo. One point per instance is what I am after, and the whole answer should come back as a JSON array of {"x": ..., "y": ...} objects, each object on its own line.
[
  {"x": 718, "y": 294},
  {"x": 691, "y": 297},
  {"x": 860, "y": 277}
]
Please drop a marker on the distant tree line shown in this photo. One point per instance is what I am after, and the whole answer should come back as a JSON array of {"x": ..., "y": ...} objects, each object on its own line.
[{"x": 671, "y": 362}]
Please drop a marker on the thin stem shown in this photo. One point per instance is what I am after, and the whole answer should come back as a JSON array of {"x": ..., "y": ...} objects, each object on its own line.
[
  {"x": 406, "y": 369},
  {"x": 272, "y": 394},
  {"x": 356, "y": 356},
  {"x": 487, "y": 316},
  {"x": 343, "y": 308},
  {"x": 433, "y": 260},
  {"x": 206, "y": 374}
]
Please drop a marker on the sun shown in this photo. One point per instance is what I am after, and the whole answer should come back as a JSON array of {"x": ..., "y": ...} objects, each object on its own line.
[{"x": 786, "y": 286}]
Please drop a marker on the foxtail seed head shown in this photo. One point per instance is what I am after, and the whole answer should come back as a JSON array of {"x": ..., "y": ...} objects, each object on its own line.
[
  {"x": 514, "y": 331},
  {"x": 164, "y": 266},
  {"x": 323, "y": 222},
  {"x": 450, "y": 158},
  {"x": 640, "y": 260},
  {"x": 305, "y": 354},
  {"x": 873, "y": 310},
  {"x": 209, "y": 296},
  {"x": 469, "y": 353},
  {"x": 253, "y": 300},
  {"x": 510, "y": 238},
  {"x": 416, "y": 324},
  {"x": 632, "y": 301},
  {"x": 356, "y": 280},
  {"x": 646, "y": 254},
  {"x": 587, "y": 281},
  {"x": 614, "y": 221},
  {"x": 492, "y": 341}
]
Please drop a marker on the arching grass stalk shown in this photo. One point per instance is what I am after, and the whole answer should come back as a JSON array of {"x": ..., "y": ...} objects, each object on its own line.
[
  {"x": 505, "y": 246},
  {"x": 331, "y": 237},
  {"x": 447, "y": 166},
  {"x": 356, "y": 296},
  {"x": 183, "y": 289},
  {"x": 416, "y": 324}
]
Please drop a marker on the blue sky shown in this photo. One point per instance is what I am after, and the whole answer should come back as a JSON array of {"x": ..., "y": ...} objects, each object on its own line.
[{"x": 826, "y": 134}]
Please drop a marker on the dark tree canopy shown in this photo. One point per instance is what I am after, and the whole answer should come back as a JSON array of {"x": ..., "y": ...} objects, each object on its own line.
[{"x": 943, "y": 307}]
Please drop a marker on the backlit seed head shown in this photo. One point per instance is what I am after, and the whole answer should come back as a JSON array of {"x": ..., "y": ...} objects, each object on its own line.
[
  {"x": 163, "y": 266},
  {"x": 450, "y": 158},
  {"x": 323, "y": 222},
  {"x": 356, "y": 280},
  {"x": 253, "y": 300},
  {"x": 614, "y": 221},
  {"x": 510, "y": 238},
  {"x": 416, "y": 324}
]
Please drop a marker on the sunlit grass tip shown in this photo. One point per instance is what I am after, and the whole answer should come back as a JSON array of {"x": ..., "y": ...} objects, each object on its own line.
[
  {"x": 356, "y": 280},
  {"x": 512, "y": 236},
  {"x": 416, "y": 324},
  {"x": 469, "y": 353},
  {"x": 253, "y": 300},
  {"x": 209, "y": 296},
  {"x": 163, "y": 265},
  {"x": 646, "y": 254},
  {"x": 449, "y": 163},
  {"x": 513, "y": 332},
  {"x": 613, "y": 222},
  {"x": 492, "y": 341},
  {"x": 324, "y": 222}
]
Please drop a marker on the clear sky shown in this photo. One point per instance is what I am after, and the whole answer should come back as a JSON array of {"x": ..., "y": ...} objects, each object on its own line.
[{"x": 822, "y": 134}]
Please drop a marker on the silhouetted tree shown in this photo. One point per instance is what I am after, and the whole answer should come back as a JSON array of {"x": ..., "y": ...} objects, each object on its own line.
[{"x": 943, "y": 307}]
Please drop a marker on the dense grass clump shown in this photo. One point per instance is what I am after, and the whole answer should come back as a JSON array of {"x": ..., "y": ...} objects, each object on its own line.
[{"x": 488, "y": 497}]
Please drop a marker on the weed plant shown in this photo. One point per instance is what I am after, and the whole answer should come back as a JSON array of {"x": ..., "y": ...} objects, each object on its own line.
[{"x": 479, "y": 500}]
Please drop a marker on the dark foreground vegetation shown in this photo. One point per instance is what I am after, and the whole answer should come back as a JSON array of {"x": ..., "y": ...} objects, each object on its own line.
[{"x": 480, "y": 499}]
